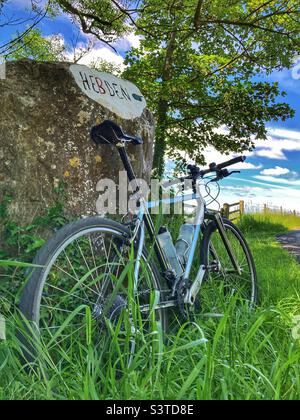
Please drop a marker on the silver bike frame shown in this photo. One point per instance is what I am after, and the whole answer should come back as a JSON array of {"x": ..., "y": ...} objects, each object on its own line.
[{"x": 144, "y": 214}]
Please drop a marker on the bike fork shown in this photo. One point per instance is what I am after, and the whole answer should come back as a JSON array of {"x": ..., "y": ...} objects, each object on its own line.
[
  {"x": 139, "y": 255},
  {"x": 219, "y": 222}
]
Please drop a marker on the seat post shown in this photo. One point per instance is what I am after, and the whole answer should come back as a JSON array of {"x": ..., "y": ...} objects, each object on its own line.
[{"x": 127, "y": 164}]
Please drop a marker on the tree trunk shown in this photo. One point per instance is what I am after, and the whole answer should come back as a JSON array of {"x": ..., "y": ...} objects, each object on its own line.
[
  {"x": 160, "y": 138},
  {"x": 163, "y": 107}
]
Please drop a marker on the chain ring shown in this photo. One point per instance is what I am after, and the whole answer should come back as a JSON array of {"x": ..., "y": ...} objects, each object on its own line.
[{"x": 181, "y": 290}]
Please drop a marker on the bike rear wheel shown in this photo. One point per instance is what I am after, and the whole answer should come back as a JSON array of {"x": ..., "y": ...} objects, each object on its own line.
[
  {"x": 83, "y": 293},
  {"x": 222, "y": 281}
]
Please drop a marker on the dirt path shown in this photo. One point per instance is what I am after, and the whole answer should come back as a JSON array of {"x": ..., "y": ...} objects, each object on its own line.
[{"x": 291, "y": 242}]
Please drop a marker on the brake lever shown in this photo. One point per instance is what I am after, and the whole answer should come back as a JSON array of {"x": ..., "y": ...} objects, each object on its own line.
[
  {"x": 194, "y": 170},
  {"x": 216, "y": 179},
  {"x": 233, "y": 172},
  {"x": 224, "y": 174}
]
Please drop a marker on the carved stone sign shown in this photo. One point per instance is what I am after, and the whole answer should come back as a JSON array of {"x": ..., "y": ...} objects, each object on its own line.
[
  {"x": 37, "y": 153},
  {"x": 118, "y": 95}
]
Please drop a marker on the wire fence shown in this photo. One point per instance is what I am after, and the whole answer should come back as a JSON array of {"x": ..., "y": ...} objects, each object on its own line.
[
  {"x": 235, "y": 210},
  {"x": 269, "y": 208}
]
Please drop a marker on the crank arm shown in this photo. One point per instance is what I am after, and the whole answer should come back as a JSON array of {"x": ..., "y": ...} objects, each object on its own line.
[
  {"x": 192, "y": 293},
  {"x": 161, "y": 305}
]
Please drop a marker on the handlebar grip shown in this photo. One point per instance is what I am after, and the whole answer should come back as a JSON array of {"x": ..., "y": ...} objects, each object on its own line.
[{"x": 231, "y": 162}]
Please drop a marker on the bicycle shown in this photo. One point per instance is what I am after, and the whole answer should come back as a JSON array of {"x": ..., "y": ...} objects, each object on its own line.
[{"x": 85, "y": 265}]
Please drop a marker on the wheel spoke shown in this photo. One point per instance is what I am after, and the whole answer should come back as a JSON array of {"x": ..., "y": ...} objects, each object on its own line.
[{"x": 83, "y": 271}]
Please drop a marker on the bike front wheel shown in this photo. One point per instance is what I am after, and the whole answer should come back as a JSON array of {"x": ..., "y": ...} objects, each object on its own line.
[
  {"x": 223, "y": 282},
  {"x": 83, "y": 292}
]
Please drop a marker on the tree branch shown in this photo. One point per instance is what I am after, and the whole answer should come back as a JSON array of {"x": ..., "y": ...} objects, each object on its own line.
[
  {"x": 198, "y": 15},
  {"x": 6, "y": 48},
  {"x": 129, "y": 13},
  {"x": 73, "y": 10},
  {"x": 246, "y": 24},
  {"x": 262, "y": 6}
]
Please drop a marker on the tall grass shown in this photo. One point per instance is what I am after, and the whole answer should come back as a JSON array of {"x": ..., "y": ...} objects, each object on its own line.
[
  {"x": 278, "y": 271},
  {"x": 269, "y": 222},
  {"x": 240, "y": 356}
]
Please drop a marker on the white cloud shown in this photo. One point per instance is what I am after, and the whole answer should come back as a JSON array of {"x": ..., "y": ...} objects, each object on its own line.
[
  {"x": 96, "y": 54},
  {"x": 276, "y": 148},
  {"x": 266, "y": 188},
  {"x": 278, "y": 180},
  {"x": 269, "y": 153},
  {"x": 277, "y": 171},
  {"x": 262, "y": 193},
  {"x": 244, "y": 188},
  {"x": 212, "y": 155},
  {"x": 101, "y": 52},
  {"x": 246, "y": 165},
  {"x": 107, "y": 54},
  {"x": 296, "y": 69},
  {"x": 128, "y": 41},
  {"x": 288, "y": 79},
  {"x": 278, "y": 142},
  {"x": 282, "y": 133}
]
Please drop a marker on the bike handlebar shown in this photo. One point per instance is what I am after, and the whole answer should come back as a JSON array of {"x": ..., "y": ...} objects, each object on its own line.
[
  {"x": 215, "y": 168},
  {"x": 196, "y": 172},
  {"x": 231, "y": 162}
]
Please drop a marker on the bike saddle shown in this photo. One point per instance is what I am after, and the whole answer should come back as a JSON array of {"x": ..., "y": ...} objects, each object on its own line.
[{"x": 109, "y": 132}]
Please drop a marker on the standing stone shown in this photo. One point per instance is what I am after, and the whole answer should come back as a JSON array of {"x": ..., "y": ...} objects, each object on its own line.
[{"x": 45, "y": 123}]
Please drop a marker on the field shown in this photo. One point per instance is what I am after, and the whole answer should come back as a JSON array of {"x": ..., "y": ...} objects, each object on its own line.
[{"x": 247, "y": 356}]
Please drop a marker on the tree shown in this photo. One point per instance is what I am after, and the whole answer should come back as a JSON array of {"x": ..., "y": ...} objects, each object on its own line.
[
  {"x": 199, "y": 67},
  {"x": 36, "y": 47},
  {"x": 107, "y": 20},
  {"x": 33, "y": 18}
]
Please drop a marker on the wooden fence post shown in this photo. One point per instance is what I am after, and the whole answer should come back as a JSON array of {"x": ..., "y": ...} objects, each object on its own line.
[
  {"x": 242, "y": 207},
  {"x": 225, "y": 211},
  {"x": 226, "y": 208}
]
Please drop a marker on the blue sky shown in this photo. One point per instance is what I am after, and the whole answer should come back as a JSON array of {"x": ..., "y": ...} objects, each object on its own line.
[{"x": 272, "y": 172}]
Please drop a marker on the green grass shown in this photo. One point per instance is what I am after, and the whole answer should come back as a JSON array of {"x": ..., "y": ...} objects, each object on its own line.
[
  {"x": 248, "y": 356},
  {"x": 268, "y": 222},
  {"x": 278, "y": 271}
]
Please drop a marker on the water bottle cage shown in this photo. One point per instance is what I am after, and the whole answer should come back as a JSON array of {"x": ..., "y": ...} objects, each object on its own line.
[{"x": 184, "y": 257}]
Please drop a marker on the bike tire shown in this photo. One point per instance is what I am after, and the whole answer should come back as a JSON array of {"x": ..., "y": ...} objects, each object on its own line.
[
  {"x": 32, "y": 292},
  {"x": 205, "y": 253}
]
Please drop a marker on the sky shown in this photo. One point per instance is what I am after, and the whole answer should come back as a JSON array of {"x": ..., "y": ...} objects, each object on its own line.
[{"x": 271, "y": 174}]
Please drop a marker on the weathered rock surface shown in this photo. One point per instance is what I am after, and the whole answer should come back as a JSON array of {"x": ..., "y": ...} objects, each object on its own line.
[{"x": 45, "y": 122}]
